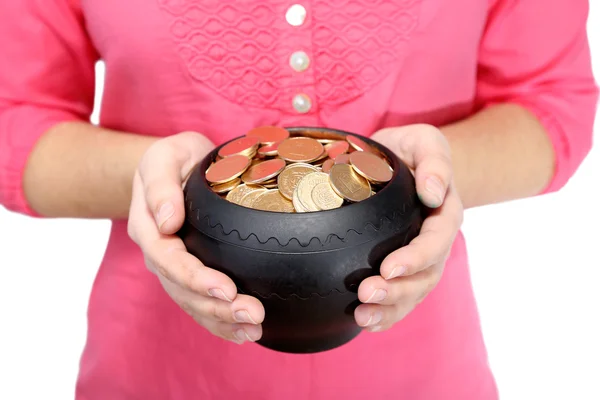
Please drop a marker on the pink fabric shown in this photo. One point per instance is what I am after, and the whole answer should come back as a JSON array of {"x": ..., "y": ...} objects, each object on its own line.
[{"x": 221, "y": 67}]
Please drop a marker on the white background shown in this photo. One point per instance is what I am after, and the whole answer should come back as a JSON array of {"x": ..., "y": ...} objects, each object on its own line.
[{"x": 535, "y": 269}]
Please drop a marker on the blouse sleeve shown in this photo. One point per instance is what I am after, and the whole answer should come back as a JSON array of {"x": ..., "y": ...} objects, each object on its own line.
[
  {"x": 46, "y": 77},
  {"x": 535, "y": 53}
]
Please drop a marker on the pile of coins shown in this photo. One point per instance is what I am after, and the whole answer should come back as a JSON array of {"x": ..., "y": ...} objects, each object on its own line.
[{"x": 268, "y": 169}]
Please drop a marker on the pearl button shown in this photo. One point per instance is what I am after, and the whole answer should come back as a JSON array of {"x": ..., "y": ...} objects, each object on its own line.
[
  {"x": 295, "y": 15},
  {"x": 299, "y": 61},
  {"x": 301, "y": 103}
]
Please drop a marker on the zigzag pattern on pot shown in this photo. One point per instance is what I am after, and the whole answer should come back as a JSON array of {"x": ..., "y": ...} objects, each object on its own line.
[
  {"x": 205, "y": 219},
  {"x": 280, "y": 297}
]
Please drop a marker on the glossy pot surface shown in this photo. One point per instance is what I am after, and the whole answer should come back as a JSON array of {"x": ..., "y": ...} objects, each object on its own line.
[{"x": 305, "y": 268}]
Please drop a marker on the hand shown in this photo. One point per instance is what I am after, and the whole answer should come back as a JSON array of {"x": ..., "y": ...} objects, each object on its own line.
[
  {"x": 156, "y": 214},
  {"x": 410, "y": 273}
]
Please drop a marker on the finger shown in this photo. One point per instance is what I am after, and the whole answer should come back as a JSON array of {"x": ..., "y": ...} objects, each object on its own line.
[
  {"x": 424, "y": 149},
  {"x": 433, "y": 243},
  {"x": 237, "y": 333},
  {"x": 375, "y": 317},
  {"x": 244, "y": 309},
  {"x": 412, "y": 288},
  {"x": 171, "y": 261},
  {"x": 167, "y": 256},
  {"x": 162, "y": 170}
]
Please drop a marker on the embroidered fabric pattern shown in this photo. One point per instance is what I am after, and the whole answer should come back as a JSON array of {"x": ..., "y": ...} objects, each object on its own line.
[{"x": 241, "y": 49}]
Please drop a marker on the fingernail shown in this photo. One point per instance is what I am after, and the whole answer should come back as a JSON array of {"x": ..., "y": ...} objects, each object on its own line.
[
  {"x": 243, "y": 316},
  {"x": 435, "y": 187},
  {"x": 242, "y": 336},
  {"x": 374, "y": 319},
  {"x": 219, "y": 294},
  {"x": 396, "y": 272},
  {"x": 375, "y": 328},
  {"x": 377, "y": 296},
  {"x": 165, "y": 212}
]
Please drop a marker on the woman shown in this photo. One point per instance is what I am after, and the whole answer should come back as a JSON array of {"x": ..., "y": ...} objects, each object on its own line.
[{"x": 487, "y": 101}]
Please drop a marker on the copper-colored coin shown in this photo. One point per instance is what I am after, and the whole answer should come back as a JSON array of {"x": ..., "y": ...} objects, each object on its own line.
[
  {"x": 250, "y": 197},
  {"x": 270, "y": 185},
  {"x": 300, "y": 149},
  {"x": 327, "y": 165},
  {"x": 348, "y": 184},
  {"x": 269, "y": 134},
  {"x": 227, "y": 169},
  {"x": 292, "y": 174},
  {"x": 325, "y": 198},
  {"x": 371, "y": 167},
  {"x": 320, "y": 159},
  {"x": 235, "y": 196},
  {"x": 342, "y": 159},
  {"x": 226, "y": 187},
  {"x": 268, "y": 150},
  {"x": 358, "y": 144},
  {"x": 263, "y": 171},
  {"x": 306, "y": 186},
  {"x": 272, "y": 200},
  {"x": 244, "y": 145},
  {"x": 336, "y": 148}
]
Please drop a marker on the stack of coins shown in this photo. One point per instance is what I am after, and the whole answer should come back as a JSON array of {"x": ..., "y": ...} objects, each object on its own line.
[{"x": 268, "y": 169}]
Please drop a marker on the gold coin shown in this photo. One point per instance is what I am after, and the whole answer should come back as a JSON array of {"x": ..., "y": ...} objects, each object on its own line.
[
  {"x": 250, "y": 197},
  {"x": 325, "y": 198},
  {"x": 300, "y": 149},
  {"x": 288, "y": 179},
  {"x": 272, "y": 200},
  {"x": 305, "y": 187},
  {"x": 235, "y": 196},
  {"x": 226, "y": 187},
  {"x": 263, "y": 171},
  {"x": 371, "y": 167},
  {"x": 227, "y": 169},
  {"x": 298, "y": 206},
  {"x": 348, "y": 184}
]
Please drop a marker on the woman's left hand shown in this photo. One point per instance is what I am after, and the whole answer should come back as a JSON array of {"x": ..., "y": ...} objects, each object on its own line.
[{"x": 410, "y": 273}]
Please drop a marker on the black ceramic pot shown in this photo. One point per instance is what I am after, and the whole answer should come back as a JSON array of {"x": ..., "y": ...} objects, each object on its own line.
[{"x": 305, "y": 268}]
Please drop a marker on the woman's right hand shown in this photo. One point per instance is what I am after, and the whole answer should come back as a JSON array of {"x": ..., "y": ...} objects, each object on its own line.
[{"x": 156, "y": 214}]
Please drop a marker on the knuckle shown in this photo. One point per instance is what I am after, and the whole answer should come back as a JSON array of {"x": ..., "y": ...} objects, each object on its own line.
[
  {"x": 218, "y": 312},
  {"x": 162, "y": 269},
  {"x": 190, "y": 281}
]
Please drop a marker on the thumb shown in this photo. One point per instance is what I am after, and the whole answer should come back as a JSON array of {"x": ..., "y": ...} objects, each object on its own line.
[
  {"x": 425, "y": 150},
  {"x": 162, "y": 171}
]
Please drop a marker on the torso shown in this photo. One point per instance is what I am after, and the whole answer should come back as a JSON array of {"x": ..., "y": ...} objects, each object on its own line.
[{"x": 222, "y": 67}]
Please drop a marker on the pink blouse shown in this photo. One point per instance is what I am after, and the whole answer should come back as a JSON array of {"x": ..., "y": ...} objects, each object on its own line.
[{"x": 221, "y": 67}]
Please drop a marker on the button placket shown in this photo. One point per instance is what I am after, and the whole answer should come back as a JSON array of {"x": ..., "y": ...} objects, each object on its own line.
[{"x": 300, "y": 83}]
